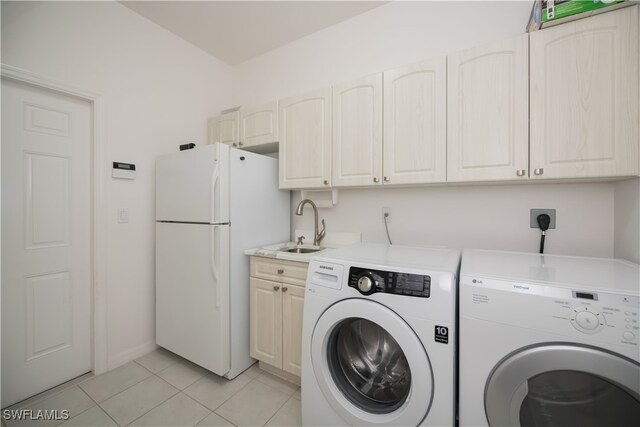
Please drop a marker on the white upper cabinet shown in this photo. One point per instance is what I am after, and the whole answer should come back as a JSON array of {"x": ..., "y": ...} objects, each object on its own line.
[
  {"x": 305, "y": 140},
  {"x": 584, "y": 97},
  {"x": 488, "y": 114},
  {"x": 357, "y": 132},
  {"x": 224, "y": 129},
  {"x": 258, "y": 125},
  {"x": 415, "y": 131}
]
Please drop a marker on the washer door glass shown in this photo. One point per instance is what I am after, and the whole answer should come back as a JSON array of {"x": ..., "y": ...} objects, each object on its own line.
[
  {"x": 563, "y": 384},
  {"x": 369, "y": 366},
  {"x": 563, "y": 398}
]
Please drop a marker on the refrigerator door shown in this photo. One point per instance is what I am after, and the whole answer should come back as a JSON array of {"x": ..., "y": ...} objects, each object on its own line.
[
  {"x": 192, "y": 293},
  {"x": 193, "y": 185}
]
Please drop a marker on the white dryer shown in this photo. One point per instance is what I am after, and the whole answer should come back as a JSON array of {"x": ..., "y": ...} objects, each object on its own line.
[
  {"x": 379, "y": 337},
  {"x": 548, "y": 340}
]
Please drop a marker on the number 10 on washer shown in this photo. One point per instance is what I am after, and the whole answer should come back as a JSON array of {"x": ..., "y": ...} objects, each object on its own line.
[{"x": 442, "y": 334}]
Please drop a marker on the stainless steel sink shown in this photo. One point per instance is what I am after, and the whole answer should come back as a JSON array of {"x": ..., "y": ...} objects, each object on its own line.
[{"x": 302, "y": 250}]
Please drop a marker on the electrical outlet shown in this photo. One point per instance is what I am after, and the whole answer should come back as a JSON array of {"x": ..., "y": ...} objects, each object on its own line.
[
  {"x": 386, "y": 211},
  {"x": 533, "y": 217}
]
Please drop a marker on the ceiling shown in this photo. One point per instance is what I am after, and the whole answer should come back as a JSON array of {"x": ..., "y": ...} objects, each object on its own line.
[{"x": 236, "y": 31}]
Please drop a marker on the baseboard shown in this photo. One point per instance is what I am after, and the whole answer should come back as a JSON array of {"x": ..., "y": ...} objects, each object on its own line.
[
  {"x": 280, "y": 373},
  {"x": 131, "y": 354}
]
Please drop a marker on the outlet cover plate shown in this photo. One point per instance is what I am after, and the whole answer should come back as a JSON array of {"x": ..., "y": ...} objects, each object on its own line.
[{"x": 534, "y": 217}]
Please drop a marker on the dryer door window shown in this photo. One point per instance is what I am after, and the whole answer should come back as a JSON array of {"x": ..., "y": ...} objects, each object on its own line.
[
  {"x": 370, "y": 365},
  {"x": 563, "y": 384},
  {"x": 577, "y": 398}
]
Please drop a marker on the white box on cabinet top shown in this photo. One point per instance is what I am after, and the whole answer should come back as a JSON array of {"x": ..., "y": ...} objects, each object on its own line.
[
  {"x": 488, "y": 88},
  {"x": 584, "y": 97},
  {"x": 305, "y": 140},
  {"x": 415, "y": 134}
]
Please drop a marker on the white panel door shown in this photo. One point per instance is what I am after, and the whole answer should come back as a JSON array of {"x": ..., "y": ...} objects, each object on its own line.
[
  {"x": 488, "y": 112},
  {"x": 305, "y": 140},
  {"x": 258, "y": 125},
  {"x": 266, "y": 321},
  {"x": 193, "y": 185},
  {"x": 584, "y": 97},
  {"x": 225, "y": 129},
  {"x": 192, "y": 293},
  {"x": 292, "y": 307},
  {"x": 357, "y": 132},
  {"x": 46, "y": 244},
  {"x": 415, "y": 132}
]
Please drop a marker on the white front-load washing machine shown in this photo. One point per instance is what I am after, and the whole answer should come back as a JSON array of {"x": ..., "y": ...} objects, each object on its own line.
[
  {"x": 378, "y": 337},
  {"x": 548, "y": 340}
]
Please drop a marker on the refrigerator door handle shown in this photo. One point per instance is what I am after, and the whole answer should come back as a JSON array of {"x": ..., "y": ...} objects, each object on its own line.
[
  {"x": 214, "y": 180},
  {"x": 212, "y": 262}
]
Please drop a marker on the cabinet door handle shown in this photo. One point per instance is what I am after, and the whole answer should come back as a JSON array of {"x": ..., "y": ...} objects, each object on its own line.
[
  {"x": 276, "y": 288},
  {"x": 538, "y": 171},
  {"x": 326, "y": 182},
  {"x": 280, "y": 271},
  {"x": 386, "y": 179},
  {"x": 521, "y": 172},
  {"x": 375, "y": 179},
  {"x": 239, "y": 144},
  {"x": 235, "y": 144},
  {"x": 284, "y": 289}
]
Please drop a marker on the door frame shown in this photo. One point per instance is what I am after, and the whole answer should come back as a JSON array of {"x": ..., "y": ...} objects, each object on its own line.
[{"x": 98, "y": 204}]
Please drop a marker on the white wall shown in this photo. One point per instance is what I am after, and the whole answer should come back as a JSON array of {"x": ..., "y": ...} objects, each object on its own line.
[
  {"x": 400, "y": 33},
  {"x": 627, "y": 220},
  {"x": 158, "y": 91}
]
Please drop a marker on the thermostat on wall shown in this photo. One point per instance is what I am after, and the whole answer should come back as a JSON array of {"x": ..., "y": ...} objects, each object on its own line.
[{"x": 124, "y": 170}]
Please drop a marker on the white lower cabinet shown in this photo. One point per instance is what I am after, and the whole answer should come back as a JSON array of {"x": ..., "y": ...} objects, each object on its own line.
[
  {"x": 584, "y": 97},
  {"x": 488, "y": 112},
  {"x": 276, "y": 305}
]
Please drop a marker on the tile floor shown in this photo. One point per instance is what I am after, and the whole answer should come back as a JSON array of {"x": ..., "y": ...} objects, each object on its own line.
[{"x": 162, "y": 389}]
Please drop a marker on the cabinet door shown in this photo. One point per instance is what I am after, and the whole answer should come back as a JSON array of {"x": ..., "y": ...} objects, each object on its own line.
[
  {"x": 259, "y": 125},
  {"x": 305, "y": 140},
  {"x": 415, "y": 133},
  {"x": 488, "y": 132},
  {"x": 266, "y": 321},
  {"x": 584, "y": 97},
  {"x": 357, "y": 132},
  {"x": 224, "y": 129},
  {"x": 292, "y": 305}
]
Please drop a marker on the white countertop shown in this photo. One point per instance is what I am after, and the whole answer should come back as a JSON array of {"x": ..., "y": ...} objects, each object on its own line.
[{"x": 278, "y": 250}]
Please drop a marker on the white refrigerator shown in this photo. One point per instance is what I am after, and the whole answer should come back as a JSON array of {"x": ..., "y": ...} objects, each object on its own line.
[{"x": 212, "y": 203}]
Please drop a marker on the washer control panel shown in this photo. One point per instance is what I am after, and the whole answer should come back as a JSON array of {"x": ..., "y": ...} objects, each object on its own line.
[
  {"x": 368, "y": 281},
  {"x": 605, "y": 316}
]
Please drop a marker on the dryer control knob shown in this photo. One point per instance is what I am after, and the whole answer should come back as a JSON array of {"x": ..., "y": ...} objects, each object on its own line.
[
  {"x": 587, "y": 320},
  {"x": 365, "y": 284}
]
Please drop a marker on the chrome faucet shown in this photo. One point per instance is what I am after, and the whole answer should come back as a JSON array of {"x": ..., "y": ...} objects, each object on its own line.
[{"x": 318, "y": 235}]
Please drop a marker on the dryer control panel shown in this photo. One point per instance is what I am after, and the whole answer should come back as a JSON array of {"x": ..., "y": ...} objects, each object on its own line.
[{"x": 368, "y": 281}]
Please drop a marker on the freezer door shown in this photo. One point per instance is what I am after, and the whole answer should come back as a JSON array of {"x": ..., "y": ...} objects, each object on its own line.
[
  {"x": 192, "y": 293},
  {"x": 193, "y": 185}
]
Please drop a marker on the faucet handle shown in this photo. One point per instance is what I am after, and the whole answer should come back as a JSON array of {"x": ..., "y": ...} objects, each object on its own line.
[{"x": 300, "y": 239}]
